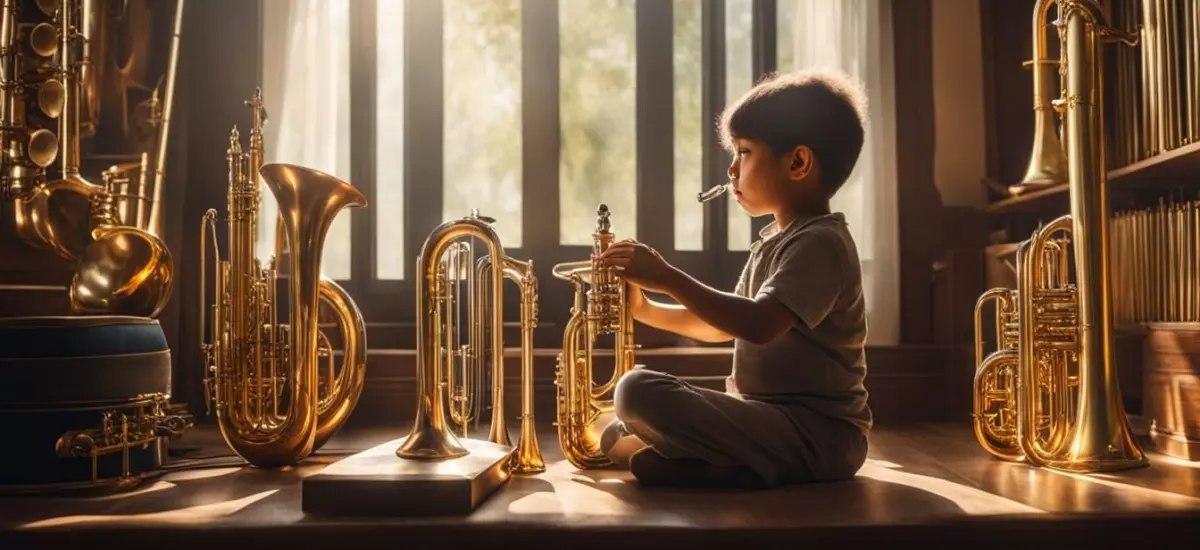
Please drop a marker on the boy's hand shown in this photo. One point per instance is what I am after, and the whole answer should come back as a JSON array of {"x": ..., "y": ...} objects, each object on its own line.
[{"x": 640, "y": 265}]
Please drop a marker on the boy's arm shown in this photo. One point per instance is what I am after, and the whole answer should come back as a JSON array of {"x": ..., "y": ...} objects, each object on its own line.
[
  {"x": 805, "y": 284},
  {"x": 674, "y": 318},
  {"x": 757, "y": 321}
]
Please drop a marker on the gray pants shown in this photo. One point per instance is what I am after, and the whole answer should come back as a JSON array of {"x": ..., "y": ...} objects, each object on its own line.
[{"x": 783, "y": 445}]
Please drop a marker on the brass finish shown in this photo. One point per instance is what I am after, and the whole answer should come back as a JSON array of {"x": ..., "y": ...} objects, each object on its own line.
[
  {"x": 123, "y": 266},
  {"x": 119, "y": 432},
  {"x": 582, "y": 410},
  {"x": 1050, "y": 416},
  {"x": 1048, "y": 163},
  {"x": 1157, "y": 91},
  {"x": 257, "y": 367},
  {"x": 1156, "y": 263},
  {"x": 445, "y": 260}
]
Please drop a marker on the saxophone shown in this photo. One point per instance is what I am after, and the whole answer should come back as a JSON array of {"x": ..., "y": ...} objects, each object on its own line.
[{"x": 123, "y": 267}]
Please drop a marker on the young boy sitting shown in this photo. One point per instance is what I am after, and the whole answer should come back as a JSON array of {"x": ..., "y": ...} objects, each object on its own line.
[{"x": 795, "y": 408}]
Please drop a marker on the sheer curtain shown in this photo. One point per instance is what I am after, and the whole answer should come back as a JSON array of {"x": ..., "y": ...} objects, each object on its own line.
[
  {"x": 855, "y": 36},
  {"x": 306, "y": 91}
]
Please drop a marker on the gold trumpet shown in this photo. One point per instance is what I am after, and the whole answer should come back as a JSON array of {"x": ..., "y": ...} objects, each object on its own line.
[
  {"x": 445, "y": 261},
  {"x": 1053, "y": 377},
  {"x": 256, "y": 366},
  {"x": 583, "y": 412},
  {"x": 123, "y": 268}
]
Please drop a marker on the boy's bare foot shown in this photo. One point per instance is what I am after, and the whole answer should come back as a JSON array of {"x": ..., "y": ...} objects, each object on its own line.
[{"x": 653, "y": 470}]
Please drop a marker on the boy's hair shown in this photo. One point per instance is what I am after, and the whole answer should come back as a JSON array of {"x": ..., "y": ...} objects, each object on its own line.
[{"x": 825, "y": 110}]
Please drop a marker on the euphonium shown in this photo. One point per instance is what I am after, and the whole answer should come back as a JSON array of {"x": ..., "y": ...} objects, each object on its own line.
[
  {"x": 1053, "y": 374},
  {"x": 123, "y": 268},
  {"x": 445, "y": 261},
  {"x": 275, "y": 402},
  {"x": 598, "y": 311}
]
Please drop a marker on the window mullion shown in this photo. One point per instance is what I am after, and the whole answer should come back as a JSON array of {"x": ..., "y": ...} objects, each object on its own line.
[
  {"x": 362, "y": 139},
  {"x": 655, "y": 125},
  {"x": 423, "y": 95},
  {"x": 764, "y": 61},
  {"x": 712, "y": 17}
]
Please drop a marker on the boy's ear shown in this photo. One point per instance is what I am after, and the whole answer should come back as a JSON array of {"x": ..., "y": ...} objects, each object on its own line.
[{"x": 800, "y": 162}]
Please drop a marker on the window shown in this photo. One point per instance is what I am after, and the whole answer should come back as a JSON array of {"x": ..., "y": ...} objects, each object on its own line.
[
  {"x": 739, "y": 77},
  {"x": 535, "y": 112},
  {"x": 481, "y": 40},
  {"x": 306, "y": 92},
  {"x": 598, "y": 109},
  {"x": 388, "y": 232},
  {"x": 689, "y": 124}
]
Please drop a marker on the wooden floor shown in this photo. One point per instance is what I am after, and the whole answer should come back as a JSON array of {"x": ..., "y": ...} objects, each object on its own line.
[{"x": 922, "y": 483}]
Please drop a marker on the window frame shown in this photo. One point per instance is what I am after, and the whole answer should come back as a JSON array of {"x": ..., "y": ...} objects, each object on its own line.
[{"x": 389, "y": 302}]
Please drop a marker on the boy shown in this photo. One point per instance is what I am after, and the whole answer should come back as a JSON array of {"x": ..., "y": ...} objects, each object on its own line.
[{"x": 795, "y": 408}]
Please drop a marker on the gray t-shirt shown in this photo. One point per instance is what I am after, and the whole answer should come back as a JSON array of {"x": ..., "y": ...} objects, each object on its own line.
[{"x": 812, "y": 267}]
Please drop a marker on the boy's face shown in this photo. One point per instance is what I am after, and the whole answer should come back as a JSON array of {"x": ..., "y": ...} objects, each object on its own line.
[{"x": 763, "y": 182}]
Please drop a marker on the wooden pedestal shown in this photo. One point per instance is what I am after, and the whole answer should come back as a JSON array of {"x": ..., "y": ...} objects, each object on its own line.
[
  {"x": 377, "y": 483},
  {"x": 1171, "y": 388}
]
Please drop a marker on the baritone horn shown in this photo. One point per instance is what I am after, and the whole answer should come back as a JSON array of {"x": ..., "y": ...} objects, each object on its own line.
[
  {"x": 445, "y": 264},
  {"x": 276, "y": 401},
  {"x": 600, "y": 309},
  {"x": 123, "y": 266},
  {"x": 1049, "y": 394}
]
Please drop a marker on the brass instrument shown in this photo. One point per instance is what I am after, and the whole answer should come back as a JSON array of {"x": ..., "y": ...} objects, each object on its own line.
[
  {"x": 582, "y": 410},
  {"x": 258, "y": 367},
  {"x": 123, "y": 265},
  {"x": 445, "y": 261},
  {"x": 1048, "y": 163},
  {"x": 1053, "y": 373}
]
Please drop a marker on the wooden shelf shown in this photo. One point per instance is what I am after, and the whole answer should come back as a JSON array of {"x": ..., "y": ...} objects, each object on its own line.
[{"x": 1179, "y": 163}]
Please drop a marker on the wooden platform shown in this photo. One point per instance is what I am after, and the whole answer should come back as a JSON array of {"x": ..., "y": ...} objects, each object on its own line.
[{"x": 922, "y": 483}]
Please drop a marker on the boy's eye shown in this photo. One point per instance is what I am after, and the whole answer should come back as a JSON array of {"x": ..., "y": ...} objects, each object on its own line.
[{"x": 743, "y": 151}]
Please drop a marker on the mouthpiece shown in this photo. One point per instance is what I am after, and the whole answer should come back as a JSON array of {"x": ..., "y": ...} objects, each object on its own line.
[{"x": 713, "y": 192}]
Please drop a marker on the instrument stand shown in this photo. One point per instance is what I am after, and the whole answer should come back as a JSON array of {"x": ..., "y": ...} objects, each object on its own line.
[{"x": 377, "y": 483}]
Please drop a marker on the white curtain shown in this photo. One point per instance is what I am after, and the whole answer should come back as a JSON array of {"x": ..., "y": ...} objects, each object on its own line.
[
  {"x": 306, "y": 90},
  {"x": 855, "y": 36}
]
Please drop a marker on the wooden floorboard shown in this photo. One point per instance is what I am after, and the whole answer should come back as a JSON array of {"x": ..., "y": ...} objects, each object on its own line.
[{"x": 925, "y": 482}]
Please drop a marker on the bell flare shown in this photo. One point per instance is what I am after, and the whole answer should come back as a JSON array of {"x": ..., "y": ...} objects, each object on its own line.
[
  {"x": 57, "y": 216},
  {"x": 125, "y": 271},
  {"x": 309, "y": 192},
  {"x": 427, "y": 443}
]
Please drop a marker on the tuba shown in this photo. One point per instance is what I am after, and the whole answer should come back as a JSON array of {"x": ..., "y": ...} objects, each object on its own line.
[
  {"x": 1049, "y": 394},
  {"x": 582, "y": 410},
  {"x": 123, "y": 266},
  {"x": 275, "y": 402},
  {"x": 444, "y": 266}
]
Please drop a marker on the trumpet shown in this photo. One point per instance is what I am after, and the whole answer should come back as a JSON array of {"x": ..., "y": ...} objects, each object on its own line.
[
  {"x": 1049, "y": 394},
  {"x": 445, "y": 261},
  {"x": 256, "y": 366},
  {"x": 599, "y": 310},
  {"x": 123, "y": 266}
]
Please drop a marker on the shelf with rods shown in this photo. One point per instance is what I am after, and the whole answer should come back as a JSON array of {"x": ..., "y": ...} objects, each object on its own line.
[{"x": 1170, "y": 167}]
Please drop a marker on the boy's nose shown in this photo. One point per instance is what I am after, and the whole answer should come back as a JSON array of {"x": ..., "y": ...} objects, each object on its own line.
[{"x": 733, "y": 170}]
